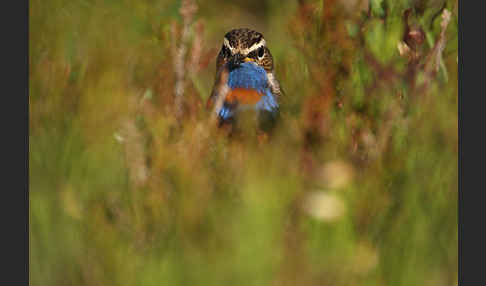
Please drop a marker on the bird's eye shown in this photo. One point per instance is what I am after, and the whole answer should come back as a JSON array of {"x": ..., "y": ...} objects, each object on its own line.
[{"x": 261, "y": 52}]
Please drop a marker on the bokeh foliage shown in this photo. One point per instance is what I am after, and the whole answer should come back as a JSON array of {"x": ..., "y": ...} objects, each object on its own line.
[{"x": 357, "y": 186}]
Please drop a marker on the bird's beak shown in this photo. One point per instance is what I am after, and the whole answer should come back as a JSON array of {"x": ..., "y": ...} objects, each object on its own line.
[
  {"x": 248, "y": 60},
  {"x": 235, "y": 61}
]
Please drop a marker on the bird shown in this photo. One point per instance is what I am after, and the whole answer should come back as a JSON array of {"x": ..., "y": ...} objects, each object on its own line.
[{"x": 245, "y": 80}]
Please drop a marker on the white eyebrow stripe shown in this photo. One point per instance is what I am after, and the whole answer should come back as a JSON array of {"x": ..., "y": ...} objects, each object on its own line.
[
  {"x": 244, "y": 51},
  {"x": 227, "y": 44},
  {"x": 254, "y": 47}
]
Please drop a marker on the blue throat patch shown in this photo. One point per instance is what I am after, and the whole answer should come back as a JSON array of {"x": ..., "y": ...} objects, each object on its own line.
[{"x": 250, "y": 76}]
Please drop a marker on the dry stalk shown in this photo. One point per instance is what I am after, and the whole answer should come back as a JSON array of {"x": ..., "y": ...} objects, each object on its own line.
[
  {"x": 197, "y": 47},
  {"x": 187, "y": 11},
  {"x": 433, "y": 59}
]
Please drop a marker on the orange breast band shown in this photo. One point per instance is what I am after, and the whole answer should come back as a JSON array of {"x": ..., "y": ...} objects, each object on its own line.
[{"x": 243, "y": 96}]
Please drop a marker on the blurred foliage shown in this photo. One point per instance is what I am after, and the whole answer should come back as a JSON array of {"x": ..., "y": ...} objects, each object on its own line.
[{"x": 358, "y": 185}]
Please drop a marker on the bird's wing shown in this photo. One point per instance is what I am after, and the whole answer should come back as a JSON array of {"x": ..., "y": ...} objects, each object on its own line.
[
  {"x": 275, "y": 85},
  {"x": 220, "y": 90}
]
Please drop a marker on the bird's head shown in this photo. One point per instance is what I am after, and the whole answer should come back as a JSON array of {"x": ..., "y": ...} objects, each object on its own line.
[{"x": 243, "y": 45}]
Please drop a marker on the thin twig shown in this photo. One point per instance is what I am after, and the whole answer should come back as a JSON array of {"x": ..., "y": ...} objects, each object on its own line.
[
  {"x": 197, "y": 47},
  {"x": 187, "y": 11},
  {"x": 434, "y": 57}
]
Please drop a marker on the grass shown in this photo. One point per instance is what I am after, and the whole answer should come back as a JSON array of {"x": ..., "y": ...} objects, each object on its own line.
[{"x": 357, "y": 186}]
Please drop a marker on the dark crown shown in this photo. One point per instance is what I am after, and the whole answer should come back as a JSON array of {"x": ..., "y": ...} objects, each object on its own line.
[{"x": 243, "y": 38}]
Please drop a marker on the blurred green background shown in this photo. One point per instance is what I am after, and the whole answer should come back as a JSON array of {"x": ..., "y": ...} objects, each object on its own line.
[{"x": 357, "y": 186}]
